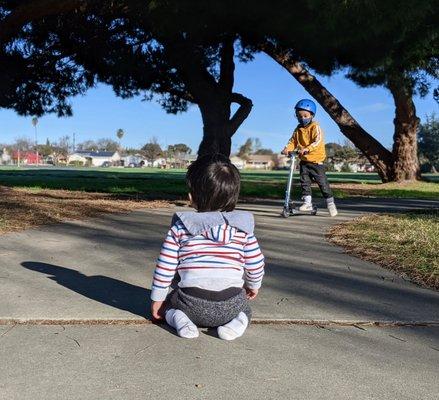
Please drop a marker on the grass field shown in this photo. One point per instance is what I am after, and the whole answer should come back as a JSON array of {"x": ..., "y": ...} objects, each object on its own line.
[
  {"x": 407, "y": 243},
  {"x": 170, "y": 184}
]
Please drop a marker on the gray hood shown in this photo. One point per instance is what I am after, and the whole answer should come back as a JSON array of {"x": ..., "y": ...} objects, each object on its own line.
[{"x": 207, "y": 223}]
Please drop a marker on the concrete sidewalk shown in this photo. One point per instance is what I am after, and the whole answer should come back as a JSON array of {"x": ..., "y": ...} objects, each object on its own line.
[
  {"x": 268, "y": 362},
  {"x": 101, "y": 269}
]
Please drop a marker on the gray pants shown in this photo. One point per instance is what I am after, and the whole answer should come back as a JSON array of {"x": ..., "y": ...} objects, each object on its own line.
[
  {"x": 316, "y": 172},
  {"x": 209, "y": 313}
]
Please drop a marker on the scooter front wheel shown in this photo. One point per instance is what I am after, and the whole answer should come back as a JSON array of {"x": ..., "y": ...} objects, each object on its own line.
[{"x": 285, "y": 213}]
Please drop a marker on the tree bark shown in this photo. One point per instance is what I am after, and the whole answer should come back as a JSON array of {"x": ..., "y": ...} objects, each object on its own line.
[
  {"x": 218, "y": 127},
  {"x": 376, "y": 153},
  {"x": 405, "y": 144}
]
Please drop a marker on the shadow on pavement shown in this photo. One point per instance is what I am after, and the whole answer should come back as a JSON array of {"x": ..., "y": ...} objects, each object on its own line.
[
  {"x": 110, "y": 291},
  {"x": 367, "y": 297},
  {"x": 360, "y": 204}
]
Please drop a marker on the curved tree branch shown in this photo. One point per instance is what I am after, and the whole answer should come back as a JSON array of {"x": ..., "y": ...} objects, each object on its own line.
[
  {"x": 245, "y": 106},
  {"x": 375, "y": 152}
]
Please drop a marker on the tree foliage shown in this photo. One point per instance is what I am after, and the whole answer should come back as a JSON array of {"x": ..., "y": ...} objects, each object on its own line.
[
  {"x": 152, "y": 150},
  {"x": 428, "y": 138},
  {"x": 182, "y": 52}
]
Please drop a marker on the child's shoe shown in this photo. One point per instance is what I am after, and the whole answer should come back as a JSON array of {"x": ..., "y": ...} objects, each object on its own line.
[
  {"x": 306, "y": 207},
  {"x": 233, "y": 329},
  {"x": 181, "y": 322},
  {"x": 331, "y": 207},
  {"x": 307, "y": 204}
]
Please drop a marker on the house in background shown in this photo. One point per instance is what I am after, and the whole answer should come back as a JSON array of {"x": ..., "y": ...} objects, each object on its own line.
[
  {"x": 5, "y": 158},
  {"x": 133, "y": 160},
  {"x": 159, "y": 163},
  {"x": 26, "y": 157},
  {"x": 94, "y": 158},
  {"x": 281, "y": 161},
  {"x": 238, "y": 162},
  {"x": 259, "y": 161}
]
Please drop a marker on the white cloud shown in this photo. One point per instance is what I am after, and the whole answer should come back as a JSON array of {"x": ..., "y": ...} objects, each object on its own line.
[
  {"x": 263, "y": 134},
  {"x": 374, "y": 107}
]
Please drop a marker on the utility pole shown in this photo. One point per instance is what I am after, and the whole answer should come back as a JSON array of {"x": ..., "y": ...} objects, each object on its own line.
[
  {"x": 35, "y": 123},
  {"x": 74, "y": 142}
]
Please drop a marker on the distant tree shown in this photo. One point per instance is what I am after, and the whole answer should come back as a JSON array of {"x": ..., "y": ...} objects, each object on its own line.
[
  {"x": 120, "y": 134},
  {"x": 103, "y": 144},
  {"x": 265, "y": 152},
  {"x": 252, "y": 146},
  {"x": 152, "y": 150},
  {"x": 428, "y": 141},
  {"x": 46, "y": 149},
  {"x": 178, "y": 153},
  {"x": 106, "y": 144},
  {"x": 132, "y": 151},
  {"x": 331, "y": 148},
  {"x": 181, "y": 148},
  {"x": 63, "y": 145},
  {"x": 23, "y": 144},
  {"x": 345, "y": 153},
  {"x": 90, "y": 145},
  {"x": 246, "y": 149}
]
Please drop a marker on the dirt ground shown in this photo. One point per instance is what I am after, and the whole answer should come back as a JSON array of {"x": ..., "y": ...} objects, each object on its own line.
[{"x": 25, "y": 208}]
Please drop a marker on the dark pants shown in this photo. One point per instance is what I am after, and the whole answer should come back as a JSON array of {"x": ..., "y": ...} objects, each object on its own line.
[
  {"x": 208, "y": 311},
  {"x": 314, "y": 172}
]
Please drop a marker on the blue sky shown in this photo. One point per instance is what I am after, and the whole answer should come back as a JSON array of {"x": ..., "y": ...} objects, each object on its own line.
[{"x": 273, "y": 91}]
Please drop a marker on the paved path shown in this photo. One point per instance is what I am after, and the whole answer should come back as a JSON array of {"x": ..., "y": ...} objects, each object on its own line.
[
  {"x": 101, "y": 269},
  {"x": 269, "y": 362}
]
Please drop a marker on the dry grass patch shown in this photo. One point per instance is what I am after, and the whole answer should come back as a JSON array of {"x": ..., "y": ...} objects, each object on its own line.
[
  {"x": 405, "y": 189},
  {"x": 407, "y": 243},
  {"x": 25, "y": 208}
]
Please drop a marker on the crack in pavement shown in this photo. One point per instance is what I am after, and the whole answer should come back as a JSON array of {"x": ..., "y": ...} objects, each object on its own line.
[{"x": 256, "y": 321}]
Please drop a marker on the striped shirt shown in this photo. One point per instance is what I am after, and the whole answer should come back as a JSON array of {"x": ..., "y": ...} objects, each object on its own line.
[{"x": 221, "y": 257}]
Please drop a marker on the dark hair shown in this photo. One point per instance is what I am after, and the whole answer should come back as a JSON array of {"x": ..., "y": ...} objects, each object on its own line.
[{"x": 214, "y": 183}]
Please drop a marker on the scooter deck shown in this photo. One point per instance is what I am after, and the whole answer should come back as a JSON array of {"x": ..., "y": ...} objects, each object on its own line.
[{"x": 295, "y": 211}]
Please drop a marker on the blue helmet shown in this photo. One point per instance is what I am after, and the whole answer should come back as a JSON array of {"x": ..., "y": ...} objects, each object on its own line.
[{"x": 306, "y": 104}]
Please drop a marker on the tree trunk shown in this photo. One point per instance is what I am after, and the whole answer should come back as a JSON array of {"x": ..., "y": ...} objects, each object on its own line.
[
  {"x": 376, "y": 153},
  {"x": 405, "y": 144},
  {"x": 217, "y": 136},
  {"x": 218, "y": 127},
  {"x": 213, "y": 97}
]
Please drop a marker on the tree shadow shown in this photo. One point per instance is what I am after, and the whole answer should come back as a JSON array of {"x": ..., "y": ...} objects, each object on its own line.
[{"x": 113, "y": 292}]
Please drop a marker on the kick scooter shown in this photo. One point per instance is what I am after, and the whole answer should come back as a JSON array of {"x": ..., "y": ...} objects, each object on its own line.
[{"x": 289, "y": 207}]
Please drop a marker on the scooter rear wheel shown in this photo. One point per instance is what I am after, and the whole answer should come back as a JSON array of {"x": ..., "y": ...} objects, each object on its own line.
[{"x": 285, "y": 213}]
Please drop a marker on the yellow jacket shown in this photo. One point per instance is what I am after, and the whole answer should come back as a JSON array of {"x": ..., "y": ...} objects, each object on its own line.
[{"x": 308, "y": 137}]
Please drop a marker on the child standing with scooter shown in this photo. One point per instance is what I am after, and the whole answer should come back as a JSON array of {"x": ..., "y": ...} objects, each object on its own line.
[{"x": 307, "y": 140}]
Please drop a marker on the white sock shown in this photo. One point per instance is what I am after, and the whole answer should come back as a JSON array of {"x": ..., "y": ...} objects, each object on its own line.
[
  {"x": 181, "y": 322},
  {"x": 233, "y": 329},
  {"x": 307, "y": 199},
  {"x": 330, "y": 200}
]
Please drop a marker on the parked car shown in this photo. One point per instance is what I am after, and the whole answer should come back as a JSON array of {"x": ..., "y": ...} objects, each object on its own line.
[
  {"x": 106, "y": 164},
  {"x": 136, "y": 165}
]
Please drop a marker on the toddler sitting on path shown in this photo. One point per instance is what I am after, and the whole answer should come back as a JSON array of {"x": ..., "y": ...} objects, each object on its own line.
[{"x": 214, "y": 252}]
